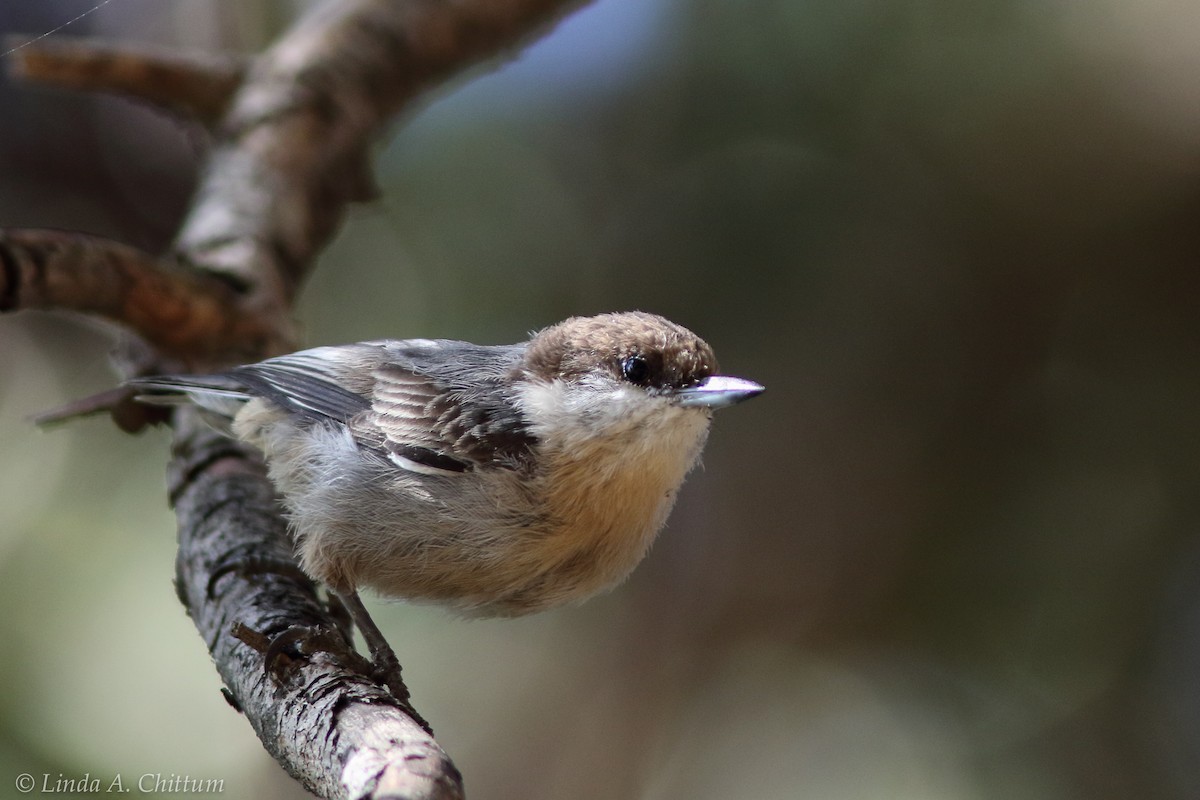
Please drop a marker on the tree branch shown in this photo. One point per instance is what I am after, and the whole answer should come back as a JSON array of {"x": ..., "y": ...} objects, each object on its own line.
[
  {"x": 332, "y": 727},
  {"x": 183, "y": 312},
  {"x": 294, "y": 146},
  {"x": 195, "y": 84},
  {"x": 290, "y": 152}
]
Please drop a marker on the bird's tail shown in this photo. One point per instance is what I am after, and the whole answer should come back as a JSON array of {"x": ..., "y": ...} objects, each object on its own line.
[{"x": 220, "y": 395}]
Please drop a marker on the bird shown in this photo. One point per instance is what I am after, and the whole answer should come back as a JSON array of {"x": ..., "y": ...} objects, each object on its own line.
[{"x": 497, "y": 480}]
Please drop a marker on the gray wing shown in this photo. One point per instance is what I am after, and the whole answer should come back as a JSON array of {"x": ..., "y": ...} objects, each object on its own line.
[
  {"x": 430, "y": 406},
  {"x": 446, "y": 406},
  {"x": 324, "y": 383},
  {"x": 311, "y": 385}
]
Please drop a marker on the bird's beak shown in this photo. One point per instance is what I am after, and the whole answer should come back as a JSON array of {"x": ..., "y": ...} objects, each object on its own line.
[{"x": 717, "y": 391}]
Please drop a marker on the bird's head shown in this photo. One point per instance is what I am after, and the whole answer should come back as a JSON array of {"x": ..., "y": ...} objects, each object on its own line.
[{"x": 629, "y": 373}]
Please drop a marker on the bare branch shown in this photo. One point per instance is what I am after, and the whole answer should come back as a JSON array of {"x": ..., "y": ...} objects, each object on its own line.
[
  {"x": 193, "y": 84},
  {"x": 183, "y": 312},
  {"x": 326, "y": 722},
  {"x": 295, "y": 147}
]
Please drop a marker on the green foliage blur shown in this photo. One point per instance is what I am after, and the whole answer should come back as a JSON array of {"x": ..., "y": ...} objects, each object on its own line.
[{"x": 950, "y": 555}]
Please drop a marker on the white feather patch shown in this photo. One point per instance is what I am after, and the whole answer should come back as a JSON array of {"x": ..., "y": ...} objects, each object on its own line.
[{"x": 420, "y": 469}]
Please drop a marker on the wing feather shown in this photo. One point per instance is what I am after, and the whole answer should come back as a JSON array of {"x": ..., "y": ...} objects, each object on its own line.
[
  {"x": 312, "y": 383},
  {"x": 431, "y": 406},
  {"x": 451, "y": 402}
]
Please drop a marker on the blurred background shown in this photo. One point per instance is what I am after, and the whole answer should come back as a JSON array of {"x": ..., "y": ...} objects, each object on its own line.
[{"x": 950, "y": 555}]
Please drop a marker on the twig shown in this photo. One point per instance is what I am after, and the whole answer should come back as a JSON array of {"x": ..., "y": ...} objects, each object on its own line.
[
  {"x": 185, "y": 313},
  {"x": 193, "y": 84}
]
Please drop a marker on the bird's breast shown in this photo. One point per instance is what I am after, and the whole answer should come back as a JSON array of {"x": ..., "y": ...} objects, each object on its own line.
[{"x": 607, "y": 500}]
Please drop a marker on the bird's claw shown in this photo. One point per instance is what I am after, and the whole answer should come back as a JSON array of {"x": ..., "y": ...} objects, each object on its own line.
[{"x": 300, "y": 643}]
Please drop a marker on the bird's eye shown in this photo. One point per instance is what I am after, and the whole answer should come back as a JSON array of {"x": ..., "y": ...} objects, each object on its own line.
[{"x": 636, "y": 370}]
